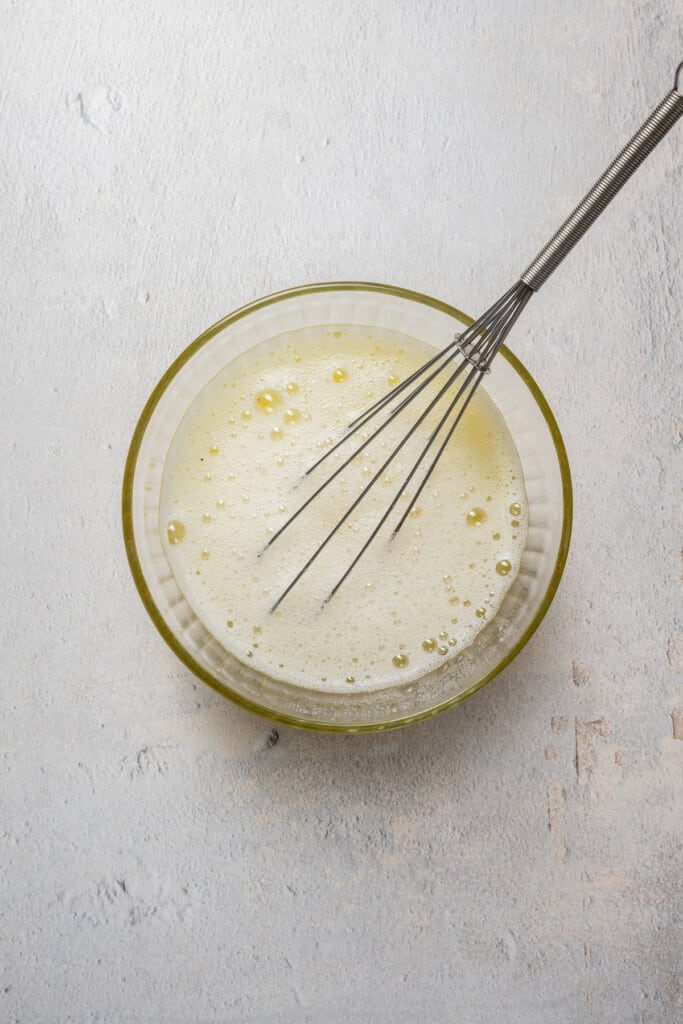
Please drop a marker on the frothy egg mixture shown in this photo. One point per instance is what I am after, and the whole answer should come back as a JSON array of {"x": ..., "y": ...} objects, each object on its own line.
[{"x": 234, "y": 473}]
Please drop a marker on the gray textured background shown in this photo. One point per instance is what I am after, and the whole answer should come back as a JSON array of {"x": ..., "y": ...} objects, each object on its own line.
[{"x": 163, "y": 859}]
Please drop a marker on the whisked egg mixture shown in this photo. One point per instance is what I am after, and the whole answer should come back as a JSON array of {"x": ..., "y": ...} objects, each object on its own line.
[{"x": 233, "y": 475}]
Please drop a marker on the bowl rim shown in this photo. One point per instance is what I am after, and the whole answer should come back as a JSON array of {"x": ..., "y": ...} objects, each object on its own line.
[{"x": 129, "y": 478}]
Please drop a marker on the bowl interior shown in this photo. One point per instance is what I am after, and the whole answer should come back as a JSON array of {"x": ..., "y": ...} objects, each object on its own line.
[{"x": 546, "y": 476}]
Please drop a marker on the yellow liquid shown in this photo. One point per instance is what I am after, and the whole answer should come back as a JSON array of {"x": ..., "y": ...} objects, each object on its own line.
[{"x": 234, "y": 474}]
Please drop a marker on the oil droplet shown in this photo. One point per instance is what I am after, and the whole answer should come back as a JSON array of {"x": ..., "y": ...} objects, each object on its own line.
[
  {"x": 220, "y": 504},
  {"x": 480, "y": 612},
  {"x": 213, "y": 450},
  {"x": 206, "y": 518},
  {"x": 246, "y": 414},
  {"x": 393, "y": 380},
  {"x": 515, "y": 509},
  {"x": 503, "y": 567},
  {"x": 250, "y": 654},
  {"x": 350, "y": 679},
  {"x": 442, "y": 649},
  {"x": 339, "y": 374},
  {"x": 292, "y": 388},
  {"x": 277, "y": 434},
  {"x": 292, "y": 416},
  {"x": 175, "y": 531},
  {"x": 257, "y": 630},
  {"x": 416, "y": 512},
  {"x": 230, "y": 623},
  {"x": 267, "y": 401},
  {"x": 514, "y": 523},
  {"x": 207, "y": 478},
  {"x": 496, "y": 536},
  {"x": 467, "y": 603},
  {"x": 429, "y": 645},
  {"x": 205, "y": 554},
  {"x": 475, "y": 517},
  {"x": 400, "y": 660}
]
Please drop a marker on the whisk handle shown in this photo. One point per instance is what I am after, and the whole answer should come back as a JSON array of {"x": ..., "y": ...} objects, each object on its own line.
[{"x": 660, "y": 121}]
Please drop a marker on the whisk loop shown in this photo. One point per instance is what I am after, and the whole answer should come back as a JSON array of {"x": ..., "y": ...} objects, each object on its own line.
[{"x": 472, "y": 352}]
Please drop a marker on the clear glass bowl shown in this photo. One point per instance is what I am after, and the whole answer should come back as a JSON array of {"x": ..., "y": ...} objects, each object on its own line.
[{"x": 546, "y": 475}]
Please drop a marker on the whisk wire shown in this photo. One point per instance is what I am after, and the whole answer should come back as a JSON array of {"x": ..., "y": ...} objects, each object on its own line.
[
  {"x": 459, "y": 341},
  {"x": 485, "y": 337},
  {"x": 356, "y": 502},
  {"x": 474, "y": 372}
]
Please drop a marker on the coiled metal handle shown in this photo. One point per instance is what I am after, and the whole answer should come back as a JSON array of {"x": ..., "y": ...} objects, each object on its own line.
[{"x": 660, "y": 121}]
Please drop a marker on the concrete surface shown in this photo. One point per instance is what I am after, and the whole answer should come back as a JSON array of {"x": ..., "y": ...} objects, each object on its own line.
[{"x": 167, "y": 857}]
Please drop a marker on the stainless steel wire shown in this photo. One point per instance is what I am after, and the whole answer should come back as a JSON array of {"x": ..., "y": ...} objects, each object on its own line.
[{"x": 471, "y": 354}]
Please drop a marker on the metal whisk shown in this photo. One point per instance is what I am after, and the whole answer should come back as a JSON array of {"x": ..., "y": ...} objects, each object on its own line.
[{"x": 471, "y": 353}]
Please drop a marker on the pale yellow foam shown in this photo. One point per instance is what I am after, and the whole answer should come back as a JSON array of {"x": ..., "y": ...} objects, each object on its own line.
[{"x": 234, "y": 473}]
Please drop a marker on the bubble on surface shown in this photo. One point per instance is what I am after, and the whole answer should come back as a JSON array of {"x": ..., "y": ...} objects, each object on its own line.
[
  {"x": 476, "y": 517},
  {"x": 175, "y": 531},
  {"x": 268, "y": 400}
]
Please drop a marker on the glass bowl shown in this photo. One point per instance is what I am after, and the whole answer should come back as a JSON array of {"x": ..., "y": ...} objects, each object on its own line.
[{"x": 546, "y": 476}]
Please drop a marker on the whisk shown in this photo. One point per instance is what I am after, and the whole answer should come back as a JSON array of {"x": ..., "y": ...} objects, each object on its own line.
[{"x": 458, "y": 369}]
